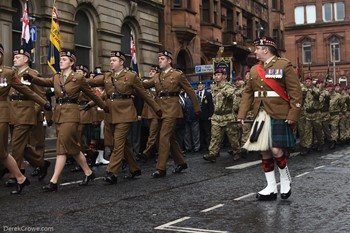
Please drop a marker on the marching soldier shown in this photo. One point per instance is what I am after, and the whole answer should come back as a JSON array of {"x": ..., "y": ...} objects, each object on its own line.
[
  {"x": 9, "y": 79},
  {"x": 67, "y": 87},
  {"x": 335, "y": 107},
  {"x": 119, "y": 85},
  {"x": 274, "y": 90},
  {"x": 24, "y": 118},
  {"x": 168, "y": 85},
  {"x": 225, "y": 108},
  {"x": 153, "y": 119},
  {"x": 325, "y": 116}
]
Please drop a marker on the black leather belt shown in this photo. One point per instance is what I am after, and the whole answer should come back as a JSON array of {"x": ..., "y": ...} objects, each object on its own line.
[
  {"x": 220, "y": 113},
  {"x": 118, "y": 96},
  {"x": 170, "y": 94},
  {"x": 18, "y": 97},
  {"x": 66, "y": 101},
  {"x": 82, "y": 102},
  {"x": 312, "y": 110}
]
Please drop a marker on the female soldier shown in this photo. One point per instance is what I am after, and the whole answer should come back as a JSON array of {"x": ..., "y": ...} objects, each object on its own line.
[{"x": 67, "y": 86}]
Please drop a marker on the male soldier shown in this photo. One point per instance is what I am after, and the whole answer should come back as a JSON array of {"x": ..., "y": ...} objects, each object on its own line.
[
  {"x": 8, "y": 78},
  {"x": 24, "y": 118},
  {"x": 325, "y": 117},
  {"x": 343, "y": 116},
  {"x": 335, "y": 107},
  {"x": 312, "y": 103},
  {"x": 275, "y": 92},
  {"x": 207, "y": 110},
  {"x": 168, "y": 85},
  {"x": 151, "y": 116},
  {"x": 119, "y": 84},
  {"x": 225, "y": 108}
]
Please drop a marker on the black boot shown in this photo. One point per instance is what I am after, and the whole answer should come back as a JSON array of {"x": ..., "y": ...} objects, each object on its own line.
[
  {"x": 20, "y": 187},
  {"x": 50, "y": 187},
  {"x": 333, "y": 145},
  {"x": 86, "y": 179}
]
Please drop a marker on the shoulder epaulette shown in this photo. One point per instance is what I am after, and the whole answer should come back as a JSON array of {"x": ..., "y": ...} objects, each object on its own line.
[{"x": 283, "y": 59}]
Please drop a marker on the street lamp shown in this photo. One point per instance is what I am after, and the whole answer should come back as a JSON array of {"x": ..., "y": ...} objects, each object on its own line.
[{"x": 334, "y": 41}]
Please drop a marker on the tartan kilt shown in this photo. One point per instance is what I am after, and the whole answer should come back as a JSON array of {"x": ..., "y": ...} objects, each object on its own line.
[{"x": 281, "y": 134}]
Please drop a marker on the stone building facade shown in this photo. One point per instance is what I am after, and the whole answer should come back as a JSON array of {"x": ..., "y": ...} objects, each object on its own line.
[
  {"x": 318, "y": 38},
  {"x": 93, "y": 28}
]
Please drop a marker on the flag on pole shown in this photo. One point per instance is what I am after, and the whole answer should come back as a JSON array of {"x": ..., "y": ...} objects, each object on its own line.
[
  {"x": 26, "y": 40},
  {"x": 133, "y": 65},
  {"x": 53, "y": 55}
]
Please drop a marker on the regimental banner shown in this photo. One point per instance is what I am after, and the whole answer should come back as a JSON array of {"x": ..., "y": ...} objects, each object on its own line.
[{"x": 224, "y": 63}]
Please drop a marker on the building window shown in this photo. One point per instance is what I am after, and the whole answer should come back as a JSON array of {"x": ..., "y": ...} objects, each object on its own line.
[
  {"x": 306, "y": 51},
  {"x": 215, "y": 13},
  {"x": 125, "y": 43},
  {"x": 229, "y": 20},
  {"x": 335, "y": 50},
  {"x": 189, "y": 4},
  {"x": 301, "y": 11},
  {"x": 311, "y": 14},
  {"x": 274, "y": 4},
  {"x": 339, "y": 11},
  {"x": 206, "y": 11},
  {"x": 327, "y": 12},
  {"x": 276, "y": 37},
  {"x": 282, "y": 6},
  {"x": 177, "y": 3},
  {"x": 17, "y": 25},
  {"x": 299, "y": 15},
  {"x": 83, "y": 43}
]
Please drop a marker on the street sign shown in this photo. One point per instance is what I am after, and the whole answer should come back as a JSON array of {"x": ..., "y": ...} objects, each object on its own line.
[
  {"x": 32, "y": 31},
  {"x": 204, "y": 68}
]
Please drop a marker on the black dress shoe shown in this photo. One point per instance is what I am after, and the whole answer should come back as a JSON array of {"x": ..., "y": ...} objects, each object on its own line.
[
  {"x": 11, "y": 182},
  {"x": 111, "y": 179},
  {"x": 50, "y": 187},
  {"x": 158, "y": 174},
  {"x": 180, "y": 167},
  {"x": 270, "y": 197},
  {"x": 20, "y": 187},
  {"x": 133, "y": 174},
  {"x": 35, "y": 172},
  {"x": 76, "y": 169},
  {"x": 43, "y": 170},
  {"x": 210, "y": 158},
  {"x": 86, "y": 179}
]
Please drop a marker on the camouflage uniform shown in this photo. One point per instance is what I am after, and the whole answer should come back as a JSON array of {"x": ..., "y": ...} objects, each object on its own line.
[
  {"x": 343, "y": 118},
  {"x": 225, "y": 111},
  {"x": 325, "y": 116},
  {"x": 335, "y": 106}
]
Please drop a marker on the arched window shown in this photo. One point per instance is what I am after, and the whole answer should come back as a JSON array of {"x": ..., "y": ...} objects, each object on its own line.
[
  {"x": 125, "y": 43},
  {"x": 306, "y": 51},
  {"x": 82, "y": 39},
  {"x": 17, "y": 25}
]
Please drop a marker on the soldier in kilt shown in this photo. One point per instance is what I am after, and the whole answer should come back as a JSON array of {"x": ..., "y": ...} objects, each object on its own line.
[{"x": 274, "y": 90}]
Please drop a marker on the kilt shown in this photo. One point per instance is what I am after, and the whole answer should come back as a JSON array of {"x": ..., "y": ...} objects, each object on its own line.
[{"x": 281, "y": 134}]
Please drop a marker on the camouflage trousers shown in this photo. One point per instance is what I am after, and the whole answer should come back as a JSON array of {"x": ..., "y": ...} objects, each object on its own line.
[
  {"x": 325, "y": 120},
  {"x": 343, "y": 128},
  {"x": 310, "y": 127},
  {"x": 217, "y": 131},
  {"x": 334, "y": 123}
]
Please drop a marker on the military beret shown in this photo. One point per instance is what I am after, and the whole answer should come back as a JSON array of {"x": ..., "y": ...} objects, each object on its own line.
[
  {"x": 200, "y": 82},
  {"x": 83, "y": 68},
  {"x": 318, "y": 81},
  {"x": 22, "y": 51},
  {"x": 165, "y": 53},
  {"x": 1, "y": 49},
  {"x": 220, "y": 70},
  {"x": 155, "y": 68},
  {"x": 213, "y": 82},
  {"x": 308, "y": 78},
  {"x": 330, "y": 85},
  {"x": 98, "y": 70},
  {"x": 119, "y": 54},
  {"x": 238, "y": 78},
  {"x": 265, "y": 41},
  {"x": 68, "y": 53}
]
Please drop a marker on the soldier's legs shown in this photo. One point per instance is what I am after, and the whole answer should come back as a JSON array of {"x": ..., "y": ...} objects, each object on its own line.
[
  {"x": 3, "y": 139},
  {"x": 216, "y": 139},
  {"x": 176, "y": 151},
  {"x": 326, "y": 130},
  {"x": 37, "y": 140},
  {"x": 167, "y": 131},
  {"x": 195, "y": 136},
  {"x": 342, "y": 129},
  {"x": 120, "y": 134},
  {"x": 232, "y": 131},
  {"x": 129, "y": 157},
  {"x": 334, "y": 125},
  {"x": 188, "y": 136},
  {"x": 308, "y": 134},
  {"x": 152, "y": 137},
  {"x": 318, "y": 133}
]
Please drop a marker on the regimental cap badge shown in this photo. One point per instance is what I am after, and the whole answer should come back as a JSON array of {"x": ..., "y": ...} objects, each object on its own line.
[
  {"x": 265, "y": 41},
  {"x": 165, "y": 53},
  {"x": 67, "y": 53},
  {"x": 83, "y": 68},
  {"x": 22, "y": 51},
  {"x": 119, "y": 54}
]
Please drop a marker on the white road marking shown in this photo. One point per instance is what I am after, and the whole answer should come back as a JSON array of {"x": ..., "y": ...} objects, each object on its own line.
[
  {"x": 78, "y": 181},
  {"x": 244, "y": 196},
  {"x": 245, "y": 165},
  {"x": 319, "y": 167},
  {"x": 302, "y": 174},
  {"x": 161, "y": 227},
  {"x": 212, "y": 208},
  {"x": 192, "y": 230}
]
